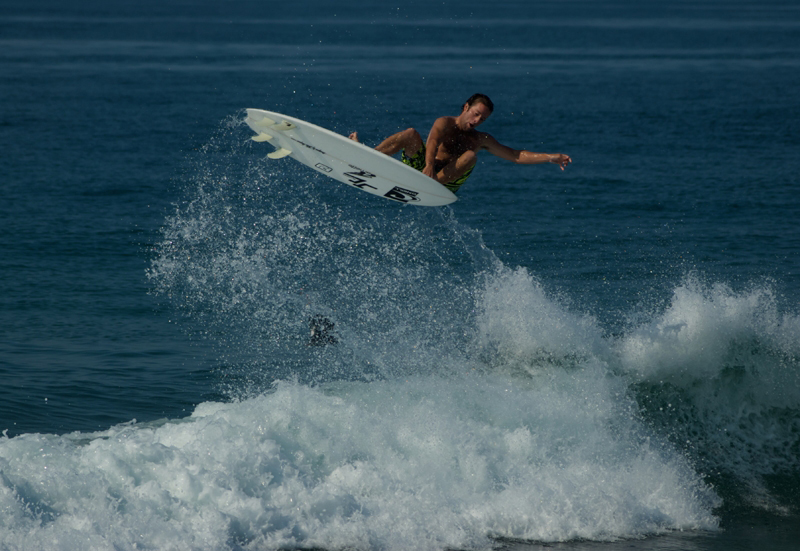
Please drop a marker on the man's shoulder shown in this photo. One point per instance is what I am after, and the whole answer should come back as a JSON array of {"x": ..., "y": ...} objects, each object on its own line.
[
  {"x": 445, "y": 121},
  {"x": 484, "y": 138}
]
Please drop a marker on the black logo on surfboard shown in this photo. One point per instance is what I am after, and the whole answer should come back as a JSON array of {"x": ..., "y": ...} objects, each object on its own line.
[
  {"x": 403, "y": 195},
  {"x": 307, "y": 145},
  {"x": 358, "y": 177}
]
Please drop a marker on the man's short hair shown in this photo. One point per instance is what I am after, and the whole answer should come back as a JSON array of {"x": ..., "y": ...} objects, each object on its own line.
[{"x": 480, "y": 98}]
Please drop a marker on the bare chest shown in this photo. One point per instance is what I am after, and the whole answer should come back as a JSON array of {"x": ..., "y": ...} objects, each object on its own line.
[{"x": 455, "y": 143}]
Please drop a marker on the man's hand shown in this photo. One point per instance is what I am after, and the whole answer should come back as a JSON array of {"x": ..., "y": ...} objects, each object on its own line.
[{"x": 561, "y": 160}]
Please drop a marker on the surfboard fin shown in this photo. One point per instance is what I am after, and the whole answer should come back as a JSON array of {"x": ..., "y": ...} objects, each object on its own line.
[
  {"x": 262, "y": 137},
  {"x": 263, "y": 121},
  {"x": 279, "y": 153}
]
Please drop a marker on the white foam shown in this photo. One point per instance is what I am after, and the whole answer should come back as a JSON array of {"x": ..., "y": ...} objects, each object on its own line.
[
  {"x": 714, "y": 333},
  {"x": 695, "y": 334},
  {"x": 426, "y": 463},
  {"x": 731, "y": 359},
  {"x": 522, "y": 323}
]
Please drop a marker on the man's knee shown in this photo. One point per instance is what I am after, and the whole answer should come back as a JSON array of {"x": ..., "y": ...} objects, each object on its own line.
[
  {"x": 410, "y": 134},
  {"x": 467, "y": 159},
  {"x": 411, "y": 140}
]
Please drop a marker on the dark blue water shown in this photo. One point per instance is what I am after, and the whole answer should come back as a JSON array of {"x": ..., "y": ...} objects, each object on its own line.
[{"x": 606, "y": 354}]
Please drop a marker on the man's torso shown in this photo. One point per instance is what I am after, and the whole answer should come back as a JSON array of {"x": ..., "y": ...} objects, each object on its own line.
[{"x": 455, "y": 142}]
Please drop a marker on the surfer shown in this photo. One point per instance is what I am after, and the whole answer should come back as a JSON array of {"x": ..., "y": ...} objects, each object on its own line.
[{"x": 451, "y": 150}]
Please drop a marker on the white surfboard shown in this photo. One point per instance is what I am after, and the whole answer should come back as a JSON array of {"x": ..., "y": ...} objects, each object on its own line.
[{"x": 343, "y": 159}]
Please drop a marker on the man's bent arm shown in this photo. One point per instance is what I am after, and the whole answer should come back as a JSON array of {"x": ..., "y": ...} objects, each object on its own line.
[{"x": 432, "y": 146}]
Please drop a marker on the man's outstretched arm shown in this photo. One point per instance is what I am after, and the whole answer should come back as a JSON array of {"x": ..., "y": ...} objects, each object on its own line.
[{"x": 521, "y": 156}]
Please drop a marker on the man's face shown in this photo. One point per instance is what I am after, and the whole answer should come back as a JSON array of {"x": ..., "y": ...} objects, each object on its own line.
[{"x": 472, "y": 116}]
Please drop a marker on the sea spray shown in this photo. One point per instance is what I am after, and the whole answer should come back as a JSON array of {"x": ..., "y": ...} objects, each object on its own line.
[
  {"x": 524, "y": 325},
  {"x": 718, "y": 372},
  {"x": 257, "y": 252}
]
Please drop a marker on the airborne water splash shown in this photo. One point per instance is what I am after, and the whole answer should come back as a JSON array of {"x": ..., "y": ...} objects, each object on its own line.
[{"x": 259, "y": 252}]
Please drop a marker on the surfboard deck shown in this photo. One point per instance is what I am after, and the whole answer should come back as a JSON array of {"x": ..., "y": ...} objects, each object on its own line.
[{"x": 345, "y": 160}]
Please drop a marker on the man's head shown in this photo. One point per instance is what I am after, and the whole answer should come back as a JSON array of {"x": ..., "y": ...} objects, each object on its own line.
[
  {"x": 479, "y": 98},
  {"x": 476, "y": 110}
]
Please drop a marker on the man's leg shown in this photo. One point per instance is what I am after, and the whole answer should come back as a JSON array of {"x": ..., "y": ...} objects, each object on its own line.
[
  {"x": 456, "y": 169},
  {"x": 408, "y": 140}
]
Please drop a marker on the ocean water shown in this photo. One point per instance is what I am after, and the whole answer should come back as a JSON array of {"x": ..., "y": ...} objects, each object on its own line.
[{"x": 603, "y": 358}]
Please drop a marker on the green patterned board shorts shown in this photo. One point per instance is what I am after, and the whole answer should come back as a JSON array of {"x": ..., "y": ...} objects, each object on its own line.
[{"x": 417, "y": 162}]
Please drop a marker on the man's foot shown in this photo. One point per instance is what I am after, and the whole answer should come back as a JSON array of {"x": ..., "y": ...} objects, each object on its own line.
[{"x": 354, "y": 136}]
